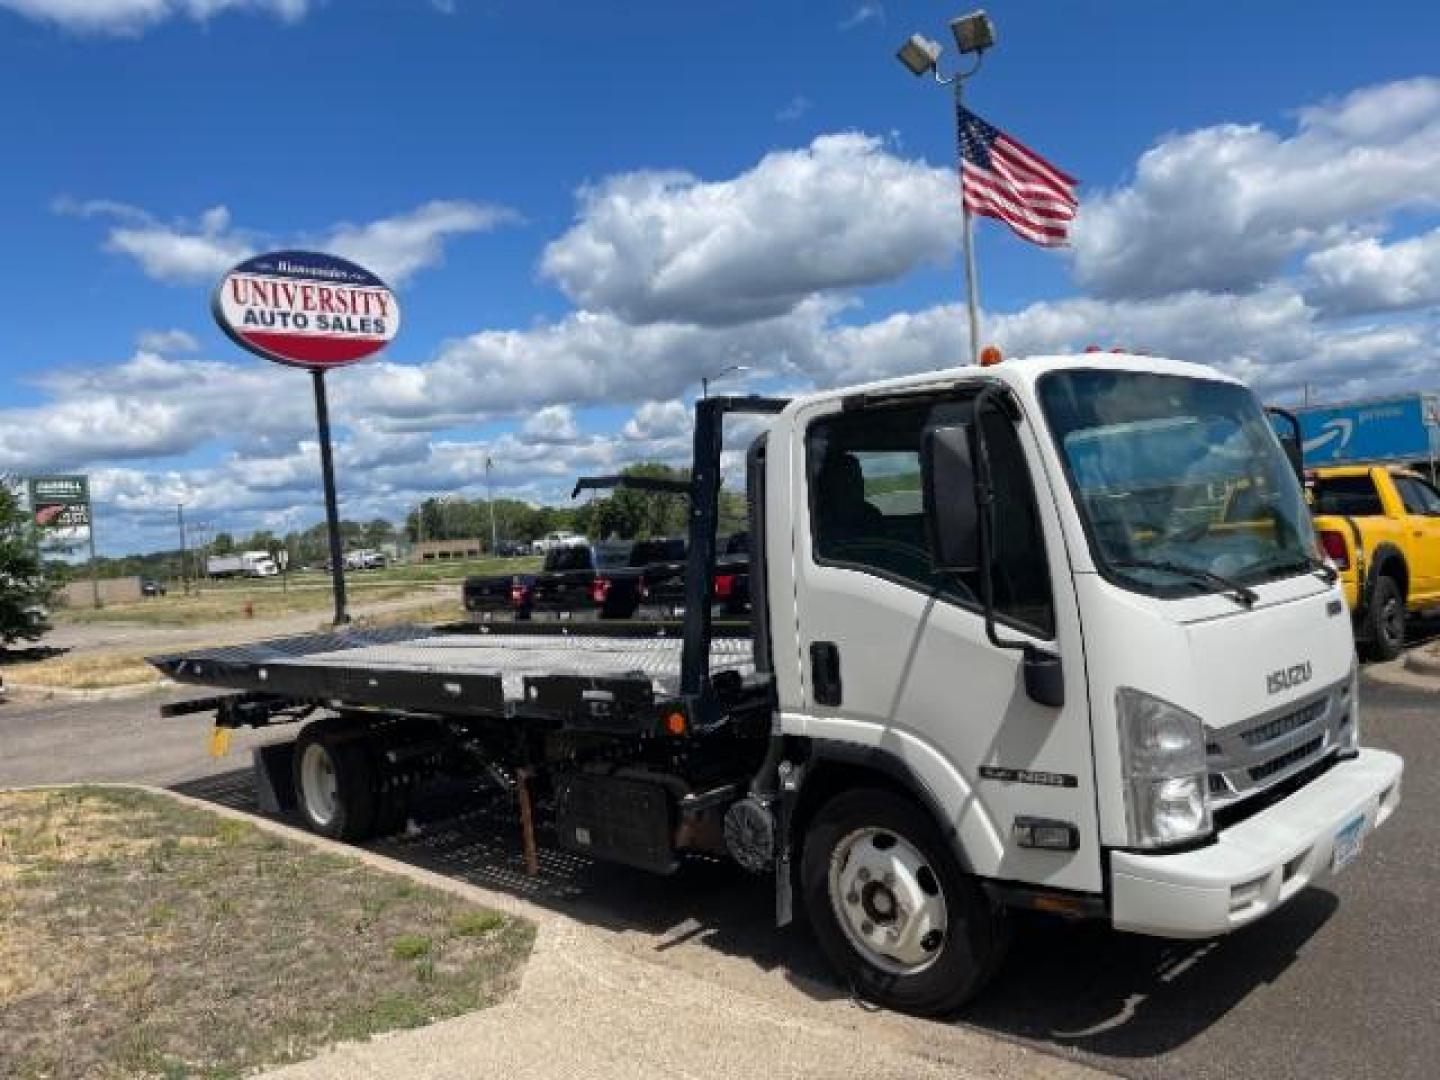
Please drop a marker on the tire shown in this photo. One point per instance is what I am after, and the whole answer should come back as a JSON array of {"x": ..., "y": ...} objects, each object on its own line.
[
  {"x": 335, "y": 785},
  {"x": 854, "y": 841},
  {"x": 1384, "y": 629}
]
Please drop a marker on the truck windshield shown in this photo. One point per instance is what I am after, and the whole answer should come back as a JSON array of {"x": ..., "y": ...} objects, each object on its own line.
[{"x": 1181, "y": 481}]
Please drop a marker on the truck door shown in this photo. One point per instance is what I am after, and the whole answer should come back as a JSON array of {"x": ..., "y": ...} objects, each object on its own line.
[
  {"x": 1422, "y": 534},
  {"x": 895, "y": 656}
]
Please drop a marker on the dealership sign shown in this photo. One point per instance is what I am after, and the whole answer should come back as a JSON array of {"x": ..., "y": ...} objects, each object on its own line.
[
  {"x": 60, "y": 506},
  {"x": 306, "y": 309}
]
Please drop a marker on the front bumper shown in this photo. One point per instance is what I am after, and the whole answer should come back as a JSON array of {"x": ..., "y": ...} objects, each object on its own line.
[{"x": 1258, "y": 864}]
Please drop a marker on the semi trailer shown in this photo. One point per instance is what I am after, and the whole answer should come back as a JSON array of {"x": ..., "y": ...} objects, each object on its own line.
[{"x": 1013, "y": 643}]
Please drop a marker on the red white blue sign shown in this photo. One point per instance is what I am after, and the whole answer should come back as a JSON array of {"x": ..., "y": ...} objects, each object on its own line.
[{"x": 306, "y": 309}]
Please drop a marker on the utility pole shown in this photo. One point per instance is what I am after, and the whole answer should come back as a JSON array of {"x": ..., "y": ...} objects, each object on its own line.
[
  {"x": 184, "y": 576},
  {"x": 490, "y": 500}
]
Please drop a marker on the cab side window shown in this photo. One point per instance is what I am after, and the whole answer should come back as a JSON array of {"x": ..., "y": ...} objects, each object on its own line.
[
  {"x": 1418, "y": 496},
  {"x": 867, "y": 510}
]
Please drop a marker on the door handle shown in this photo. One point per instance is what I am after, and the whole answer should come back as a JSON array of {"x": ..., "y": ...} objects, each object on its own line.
[{"x": 825, "y": 672}]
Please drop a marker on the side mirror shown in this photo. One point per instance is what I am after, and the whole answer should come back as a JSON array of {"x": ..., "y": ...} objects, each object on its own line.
[
  {"x": 1291, "y": 441},
  {"x": 952, "y": 509}
]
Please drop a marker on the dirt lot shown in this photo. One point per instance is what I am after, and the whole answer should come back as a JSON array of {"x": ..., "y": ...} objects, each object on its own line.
[
  {"x": 106, "y": 649},
  {"x": 142, "y": 937}
]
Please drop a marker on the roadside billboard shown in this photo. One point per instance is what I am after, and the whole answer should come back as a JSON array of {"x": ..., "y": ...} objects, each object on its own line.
[
  {"x": 60, "y": 509},
  {"x": 306, "y": 309}
]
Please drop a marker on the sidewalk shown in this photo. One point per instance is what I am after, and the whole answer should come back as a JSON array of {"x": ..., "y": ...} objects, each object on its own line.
[
  {"x": 587, "y": 1008},
  {"x": 588, "y": 1011}
]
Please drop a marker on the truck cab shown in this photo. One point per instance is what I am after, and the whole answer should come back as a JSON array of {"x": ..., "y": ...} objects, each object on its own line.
[{"x": 1099, "y": 692}]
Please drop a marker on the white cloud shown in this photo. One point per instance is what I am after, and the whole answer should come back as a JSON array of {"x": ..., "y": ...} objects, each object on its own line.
[
  {"x": 867, "y": 11},
  {"x": 179, "y": 252},
  {"x": 1224, "y": 207},
  {"x": 840, "y": 213},
  {"x": 199, "y": 252},
  {"x": 658, "y": 420},
  {"x": 1362, "y": 274},
  {"x": 793, "y": 109},
  {"x": 166, "y": 341},
  {"x": 398, "y": 247},
  {"x": 550, "y": 425},
  {"x": 134, "y": 16}
]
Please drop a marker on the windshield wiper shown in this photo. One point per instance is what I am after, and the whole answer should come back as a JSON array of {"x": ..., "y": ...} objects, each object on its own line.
[
  {"x": 1241, "y": 594},
  {"x": 1308, "y": 563}
]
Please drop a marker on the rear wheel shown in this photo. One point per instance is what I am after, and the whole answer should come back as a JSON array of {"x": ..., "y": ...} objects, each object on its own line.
[
  {"x": 892, "y": 908},
  {"x": 1385, "y": 620},
  {"x": 334, "y": 785}
]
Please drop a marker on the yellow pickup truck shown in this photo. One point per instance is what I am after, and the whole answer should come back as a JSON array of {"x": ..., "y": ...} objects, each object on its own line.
[{"x": 1380, "y": 526}]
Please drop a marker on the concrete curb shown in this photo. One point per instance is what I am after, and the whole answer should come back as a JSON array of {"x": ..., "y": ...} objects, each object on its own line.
[
  {"x": 589, "y": 1009},
  {"x": 1422, "y": 662},
  {"x": 108, "y": 693}
]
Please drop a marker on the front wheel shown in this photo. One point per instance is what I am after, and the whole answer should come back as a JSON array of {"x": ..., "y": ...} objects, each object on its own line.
[
  {"x": 1385, "y": 620},
  {"x": 892, "y": 908}
]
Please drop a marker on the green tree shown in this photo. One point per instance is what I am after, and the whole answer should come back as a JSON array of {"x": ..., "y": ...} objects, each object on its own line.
[
  {"x": 24, "y": 588},
  {"x": 223, "y": 544}
]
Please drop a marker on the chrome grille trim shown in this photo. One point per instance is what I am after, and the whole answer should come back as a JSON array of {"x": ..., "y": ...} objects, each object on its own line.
[{"x": 1249, "y": 757}]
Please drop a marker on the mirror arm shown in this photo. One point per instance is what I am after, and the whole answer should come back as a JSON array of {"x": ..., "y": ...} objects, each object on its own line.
[{"x": 985, "y": 496}]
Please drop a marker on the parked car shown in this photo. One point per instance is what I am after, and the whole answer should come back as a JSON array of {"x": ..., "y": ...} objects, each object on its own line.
[
  {"x": 151, "y": 587},
  {"x": 1380, "y": 527}
]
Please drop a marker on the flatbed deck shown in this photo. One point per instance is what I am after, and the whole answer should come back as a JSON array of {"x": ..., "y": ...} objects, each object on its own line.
[{"x": 436, "y": 670}]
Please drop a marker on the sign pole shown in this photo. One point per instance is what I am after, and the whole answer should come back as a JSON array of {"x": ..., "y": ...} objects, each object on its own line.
[
  {"x": 94, "y": 567},
  {"x": 332, "y": 511}
]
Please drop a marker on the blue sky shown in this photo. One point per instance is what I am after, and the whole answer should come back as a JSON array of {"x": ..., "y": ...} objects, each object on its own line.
[{"x": 149, "y": 138}]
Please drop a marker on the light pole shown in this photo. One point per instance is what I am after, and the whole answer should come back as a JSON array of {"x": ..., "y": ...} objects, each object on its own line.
[
  {"x": 490, "y": 501},
  {"x": 974, "y": 33},
  {"x": 706, "y": 380}
]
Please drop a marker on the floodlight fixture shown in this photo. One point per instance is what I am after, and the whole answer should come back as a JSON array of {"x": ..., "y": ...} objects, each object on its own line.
[
  {"x": 920, "y": 54},
  {"x": 974, "y": 33}
]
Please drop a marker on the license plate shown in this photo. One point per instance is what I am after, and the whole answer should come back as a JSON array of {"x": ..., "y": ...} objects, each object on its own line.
[{"x": 1347, "y": 844}]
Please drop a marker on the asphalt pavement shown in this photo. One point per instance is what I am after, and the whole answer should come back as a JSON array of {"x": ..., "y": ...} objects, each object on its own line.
[{"x": 1345, "y": 981}]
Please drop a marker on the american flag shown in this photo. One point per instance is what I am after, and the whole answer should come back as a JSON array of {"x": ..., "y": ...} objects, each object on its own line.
[{"x": 1003, "y": 178}]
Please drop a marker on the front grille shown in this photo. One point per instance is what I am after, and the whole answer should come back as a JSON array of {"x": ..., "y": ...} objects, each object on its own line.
[
  {"x": 1247, "y": 758},
  {"x": 1285, "y": 760},
  {"x": 1282, "y": 725}
]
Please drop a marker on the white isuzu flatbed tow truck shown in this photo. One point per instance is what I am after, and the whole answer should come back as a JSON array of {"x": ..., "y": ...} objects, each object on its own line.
[{"x": 1053, "y": 633}]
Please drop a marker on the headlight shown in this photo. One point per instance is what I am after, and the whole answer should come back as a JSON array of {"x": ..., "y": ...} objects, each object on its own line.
[{"x": 1162, "y": 752}]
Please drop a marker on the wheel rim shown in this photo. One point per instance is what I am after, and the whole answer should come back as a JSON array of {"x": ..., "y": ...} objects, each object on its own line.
[
  {"x": 888, "y": 900},
  {"x": 1392, "y": 620},
  {"x": 317, "y": 784}
]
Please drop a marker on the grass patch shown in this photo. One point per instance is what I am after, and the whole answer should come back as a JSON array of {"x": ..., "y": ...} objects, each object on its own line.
[
  {"x": 410, "y": 947},
  {"x": 141, "y": 937},
  {"x": 475, "y": 923}
]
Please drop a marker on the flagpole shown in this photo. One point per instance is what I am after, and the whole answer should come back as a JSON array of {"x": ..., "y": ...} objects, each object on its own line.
[{"x": 972, "y": 281}]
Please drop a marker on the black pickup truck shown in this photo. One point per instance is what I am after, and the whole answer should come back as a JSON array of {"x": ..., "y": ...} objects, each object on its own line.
[
  {"x": 498, "y": 596},
  {"x": 588, "y": 581},
  {"x": 663, "y": 588}
]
